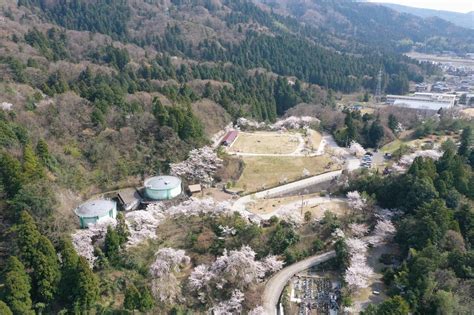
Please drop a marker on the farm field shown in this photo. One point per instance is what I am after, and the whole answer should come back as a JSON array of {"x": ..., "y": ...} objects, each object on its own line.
[
  {"x": 266, "y": 143},
  {"x": 267, "y": 171}
]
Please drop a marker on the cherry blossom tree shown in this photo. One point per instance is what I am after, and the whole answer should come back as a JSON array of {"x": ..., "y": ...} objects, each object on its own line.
[
  {"x": 358, "y": 229},
  {"x": 84, "y": 240},
  {"x": 227, "y": 231},
  {"x": 168, "y": 263},
  {"x": 356, "y": 201},
  {"x": 407, "y": 160},
  {"x": 245, "y": 123},
  {"x": 259, "y": 310},
  {"x": 142, "y": 225},
  {"x": 201, "y": 166},
  {"x": 338, "y": 233},
  {"x": 235, "y": 269},
  {"x": 231, "y": 306},
  {"x": 356, "y": 149},
  {"x": 383, "y": 232},
  {"x": 358, "y": 273},
  {"x": 295, "y": 122}
]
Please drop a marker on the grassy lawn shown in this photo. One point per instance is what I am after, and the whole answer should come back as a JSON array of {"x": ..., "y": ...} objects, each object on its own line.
[
  {"x": 391, "y": 146},
  {"x": 416, "y": 143},
  {"x": 266, "y": 143},
  {"x": 264, "y": 206},
  {"x": 268, "y": 171},
  {"x": 469, "y": 112},
  {"x": 315, "y": 139}
]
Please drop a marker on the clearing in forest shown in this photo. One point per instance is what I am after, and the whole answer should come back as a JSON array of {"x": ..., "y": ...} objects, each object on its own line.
[
  {"x": 266, "y": 143},
  {"x": 269, "y": 171},
  {"x": 313, "y": 203}
]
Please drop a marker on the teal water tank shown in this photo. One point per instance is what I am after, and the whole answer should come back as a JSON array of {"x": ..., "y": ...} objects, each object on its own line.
[
  {"x": 162, "y": 187},
  {"x": 94, "y": 211}
]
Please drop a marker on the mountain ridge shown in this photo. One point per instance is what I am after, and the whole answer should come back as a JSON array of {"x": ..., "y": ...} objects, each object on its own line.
[{"x": 461, "y": 19}]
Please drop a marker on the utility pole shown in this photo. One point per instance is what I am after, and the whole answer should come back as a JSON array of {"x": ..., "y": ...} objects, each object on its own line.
[
  {"x": 302, "y": 204},
  {"x": 378, "y": 91}
]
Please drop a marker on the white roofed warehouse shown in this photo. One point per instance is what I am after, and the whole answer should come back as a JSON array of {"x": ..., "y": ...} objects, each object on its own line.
[
  {"x": 162, "y": 187},
  {"x": 94, "y": 211}
]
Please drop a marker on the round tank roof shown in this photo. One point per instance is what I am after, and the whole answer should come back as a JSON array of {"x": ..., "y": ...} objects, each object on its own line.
[
  {"x": 95, "y": 208},
  {"x": 162, "y": 182}
]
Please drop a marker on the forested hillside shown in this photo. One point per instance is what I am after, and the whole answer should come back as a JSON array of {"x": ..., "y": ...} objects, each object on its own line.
[
  {"x": 374, "y": 24},
  {"x": 98, "y": 94},
  {"x": 435, "y": 231},
  {"x": 458, "y": 18}
]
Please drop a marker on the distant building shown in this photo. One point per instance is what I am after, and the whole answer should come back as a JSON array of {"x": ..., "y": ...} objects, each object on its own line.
[
  {"x": 163, "y": 187},
  {"x": 440, "y": 87},
  {"x": 94, "y": 211},
  {"x": 426, "y": 101},
  {"x": 230, "y": 138},
  {"x": 421, "y": 87}
]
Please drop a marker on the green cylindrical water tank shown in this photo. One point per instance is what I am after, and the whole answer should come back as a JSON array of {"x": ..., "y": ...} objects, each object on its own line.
[
  {"x": 162, "y": 187},
  {"x": 93, "y": 211}
]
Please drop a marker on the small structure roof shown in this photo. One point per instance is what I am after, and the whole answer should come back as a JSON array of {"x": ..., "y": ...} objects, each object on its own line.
[
  {"x": 94, "y": 208},
  {"x": 195, "y": 188},
  {"x": 162, "y": 182},
  {"x": 129, "y": 198},
  {"x": 230, "y": 137}
]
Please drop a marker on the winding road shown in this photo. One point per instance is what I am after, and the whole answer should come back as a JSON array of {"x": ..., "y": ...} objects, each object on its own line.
[{"x": 275, "y": 285}]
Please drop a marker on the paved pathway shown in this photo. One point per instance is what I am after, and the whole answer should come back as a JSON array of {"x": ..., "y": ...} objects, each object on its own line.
[
  {"x": 276, "y": 284},
  {"x": 240, "y": 204},
  {"x": 300, "y": 184}
]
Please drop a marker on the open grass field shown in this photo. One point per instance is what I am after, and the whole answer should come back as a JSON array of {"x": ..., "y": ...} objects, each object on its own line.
[
  {"x": 269, "y": 171},
  {"x": 266, "y": 206},
  {"x": 314, "y": 139},
  {"x": 417, "y": 143},
  {"x": 468, "y": 112},
  {"x": 266, "y": 143}
]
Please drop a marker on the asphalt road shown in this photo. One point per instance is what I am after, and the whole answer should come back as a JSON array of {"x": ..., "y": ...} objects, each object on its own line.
[{"x": 276, "y": 284}]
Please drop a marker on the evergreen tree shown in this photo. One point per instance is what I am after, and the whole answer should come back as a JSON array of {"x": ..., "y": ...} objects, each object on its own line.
[
  {"x": 122, "y": 229},
  {"x": 11, "y": 175},
  {"x": 466, "y": 142},
  {"x": 4, "y": 309},
  {"x": 17, "y": 288},
  {"x": 366, "y": 97},
  {"x": 31, "y": 166},
  {"x": 101, "y": 262},
  {"x": 392, "y": 306},
  {"x": 376, "y": 134},
  {"x": 69, "y": 261},
  {"x": 27, "y": 238},
  {"x": 132, "y": 298},
  {"x": 87, "y": 287},
  {"x": 393, "y": 123},
  {"x": 160, "y": 112},
  {"x": 42, "y": 150},
  {"x": 112, "y": 245},
  {"x": 342, "y": 254},
  {"x": 146, "y": 300},
  {"x": 46, "y": 271}
]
